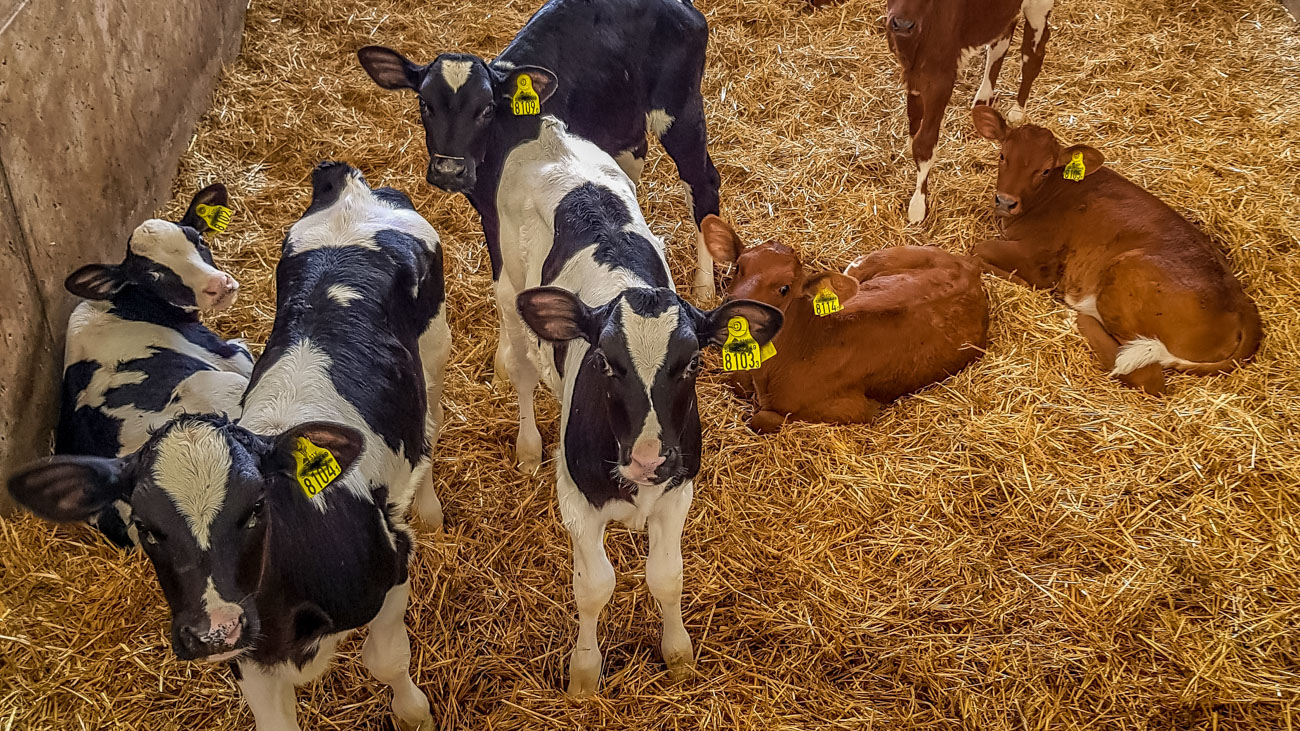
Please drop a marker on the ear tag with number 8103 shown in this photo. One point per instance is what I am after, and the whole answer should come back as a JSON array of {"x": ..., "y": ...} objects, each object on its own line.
[
  {"x": 316, "y": 467},
  {"x": 1075, "y": 170},
  {"x": 525, "y": 102},
  {"x": 742, "y": 352},
  {"x": 826, "y": 302}
]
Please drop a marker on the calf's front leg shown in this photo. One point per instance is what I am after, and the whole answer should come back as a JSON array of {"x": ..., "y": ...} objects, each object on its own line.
[
  {"x": 593, "y": 584},
  {"x": 663, "y": 575},
  {"x": 387, "y": 655},
  {"x": 1019, "y": 262},
  {"x": 269, "y": 696},
  {"x": 934, "y": 94},
  {"x": 524, "y": 376}
]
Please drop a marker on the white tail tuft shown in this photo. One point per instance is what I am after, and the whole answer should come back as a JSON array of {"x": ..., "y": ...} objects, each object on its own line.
[{"x": 1141, "y": 353}]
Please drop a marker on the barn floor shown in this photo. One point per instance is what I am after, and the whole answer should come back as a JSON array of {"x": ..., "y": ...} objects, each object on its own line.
[{"x": 1025, "y": 546}]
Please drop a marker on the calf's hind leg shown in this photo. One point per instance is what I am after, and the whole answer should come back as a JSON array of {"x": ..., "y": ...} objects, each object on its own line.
[
  {"x": 686, "y": 141},
  {"x": 1149, "y": 378},
  {"x": 663, "y": 575},
  {"x": 1033, "y": 47},
  {"x": 387, "y": 655},
  {"x": 435, "y": 347}
]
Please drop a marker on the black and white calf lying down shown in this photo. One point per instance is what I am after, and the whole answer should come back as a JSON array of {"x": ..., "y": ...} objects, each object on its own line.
[
  {"x": 623, "y": 354},
  {"x": 274, "y": 537},
  {"x": 611, "y": 70},
  {"x": 137, "y": 354}
]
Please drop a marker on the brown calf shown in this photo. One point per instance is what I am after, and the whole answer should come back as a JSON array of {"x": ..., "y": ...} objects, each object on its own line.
[
  {"x": 931, "y": 38},
  {"x": 1150, "y": 289},
  {"x": 912, "y": 316}
]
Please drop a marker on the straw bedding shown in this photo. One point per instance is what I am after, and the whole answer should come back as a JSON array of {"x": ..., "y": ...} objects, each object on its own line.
[{"x": 1027, "y": 545}]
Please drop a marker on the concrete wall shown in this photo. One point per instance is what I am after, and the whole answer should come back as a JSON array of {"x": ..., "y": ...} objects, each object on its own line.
[{"x": 98, "y": 99}]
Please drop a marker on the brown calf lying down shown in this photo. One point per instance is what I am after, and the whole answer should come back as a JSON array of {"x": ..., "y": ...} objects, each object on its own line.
[
  {"x": 912, "y": 316},
  {"x": 1151, "y": 291}
]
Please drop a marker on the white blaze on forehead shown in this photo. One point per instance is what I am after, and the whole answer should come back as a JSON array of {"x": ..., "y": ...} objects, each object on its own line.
[
  {"x": 647, "y": 341},
  {"x": 342, "y": 293},
  {"x": 192, "y": 467},
  {"x": 456, "y": 73},
  {"x": 166, "y": 243}
]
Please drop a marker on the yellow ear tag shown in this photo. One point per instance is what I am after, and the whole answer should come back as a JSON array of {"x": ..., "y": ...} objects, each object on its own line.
[
  {"x": 1075, "y": 170},
  {"x": 767, "y": 351},
  {"x": 826, "y": 302},
  {"x": 217, "y": 217},
  {"x": 741, "y": 352},
  {"x": 525, "y": 102},
  {"x": 317, "y": 467}
]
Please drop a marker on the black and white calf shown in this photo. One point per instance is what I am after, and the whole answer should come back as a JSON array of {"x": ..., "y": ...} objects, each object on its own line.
[
  {"x": 137, "y": 354},
  {"x": 274, "y": 537},
  {"x": 610, "y": 70},
  {"x": 623, "y": 352}
]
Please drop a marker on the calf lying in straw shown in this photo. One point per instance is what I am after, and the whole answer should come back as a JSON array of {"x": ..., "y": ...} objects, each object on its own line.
[
  {"x": 895, "y": 322},
  {"x": 1150, "y": 289}
]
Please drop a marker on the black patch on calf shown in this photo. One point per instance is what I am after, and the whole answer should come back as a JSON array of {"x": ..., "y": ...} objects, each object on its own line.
[
  {"x": 163, "y": 370},
  {"x": 592, "y": 214}
]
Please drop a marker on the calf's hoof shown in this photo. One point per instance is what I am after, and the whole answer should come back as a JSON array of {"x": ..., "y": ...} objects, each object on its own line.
[
  {"x": 423, "y": 724},
  {"x": 584, "y": 673},
  {"x": 703, "y": 288},
  {"x": 528, "y": 453},
  {"x": 680, "y": 667},
  {"x": 1016, "y": 114},
  {"x": 767, "y": 422},
  {"x": 429, "y": 513},
  {"x": 916, "y": 209}
]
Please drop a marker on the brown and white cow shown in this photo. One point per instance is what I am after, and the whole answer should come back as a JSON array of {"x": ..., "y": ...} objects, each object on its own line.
[
  {"x": 1150, "y": 289},
  {"x": 931, "y": 39},
  {"x": 911, "y": 316}
]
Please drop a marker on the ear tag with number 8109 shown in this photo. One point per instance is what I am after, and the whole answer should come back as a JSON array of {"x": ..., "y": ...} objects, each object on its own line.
[
  {"x": 1075, "y": 170},
  {"x": 826, "y": 302},
  {"x": 217, "y": 217},
  {"x": 525, "y": 102},
  {"x": 742, "y": 352},
  {"x": 316, "y": 467}
]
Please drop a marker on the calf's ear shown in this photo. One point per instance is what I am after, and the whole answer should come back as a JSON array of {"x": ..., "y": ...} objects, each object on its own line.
[
  {"x": 96, "y": 281},
  {"x": 390, "y": 69},
  {"x": 764, "y": 321},
  {"x": 721, "y": 239},
  {"x": 556, "y": 314},
  {"x": 344, "y": 442},
  {"x": 989, "y": 122},
  {"x": 213, "y": 195},
  {"x": 544, "y": 83},
  {"x": 842, "y": 285},
  {"x": 65, "y": 489},
  {"x": 1092, "y": 158}
]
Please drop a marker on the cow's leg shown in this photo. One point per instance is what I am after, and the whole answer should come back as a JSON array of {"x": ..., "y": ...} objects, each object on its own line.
[
  {"x": 1019, "y": 262},
  {"x": 593, "y": 584},
  {"x": 1149, "y": 378},
  {"x": 997, "y": 53},
  {"x": 270, "y": 698},
  {"x": 435, "y": 348},
  {"x": 387, "y": 655},
  {"x": 686, "y": 141},
  {"x": 849, "y": 409},
  {"x": 935, "y": 93},
  {"x": 1032, "y": 49},
  {"x": 524, "y": 376},
  {"x": 663, "y": 574},
  {"x": 632, "y": 160},
  {"x": 915, "y": 111}
]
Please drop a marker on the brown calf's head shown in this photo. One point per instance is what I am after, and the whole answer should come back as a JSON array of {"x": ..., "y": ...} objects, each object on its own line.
[
  {"x": 770, "y": 273},
  {"x": 1030, "y": 158}
]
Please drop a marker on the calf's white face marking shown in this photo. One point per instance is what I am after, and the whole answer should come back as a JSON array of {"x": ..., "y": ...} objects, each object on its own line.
[
  {"x": 456, "y": 73},
  {"x": 166, "y": 244},
  {"x": 647, "y": 343},
  {"x": 192, "y": 467}
]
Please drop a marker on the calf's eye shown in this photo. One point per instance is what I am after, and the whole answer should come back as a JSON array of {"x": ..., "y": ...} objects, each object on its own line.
[
  {"x": 692, "y": 367},
  {"x": 254, "y": 515},
  {"x": 784, "y": 289},
  {"x": 603, "y": 362}
]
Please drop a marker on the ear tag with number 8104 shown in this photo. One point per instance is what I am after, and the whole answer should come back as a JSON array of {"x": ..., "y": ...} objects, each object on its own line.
[
  {"x": 1075, "y": 170},
  {"x": 742, "y": 352},
  {"x": 217, "y": 217},
  {"x": 525, "y": 102},
  {"x": 316, "y": 467},
  {"x": 826, "y": 302}
]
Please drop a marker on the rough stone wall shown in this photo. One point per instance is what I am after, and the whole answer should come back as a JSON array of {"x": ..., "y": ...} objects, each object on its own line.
[{"x": 98, "y": 99}]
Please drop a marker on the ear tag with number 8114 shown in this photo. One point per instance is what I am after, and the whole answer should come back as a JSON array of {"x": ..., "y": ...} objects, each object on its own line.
[
  {"x": 1075, "y": 170},
  {"x": 826, "y": 302},
  {"x": 316, "y": 467},
  {"x": 525, "y": 102},
  {"x": 217, "y": 217},
  {"x": 742, "y": 352}
]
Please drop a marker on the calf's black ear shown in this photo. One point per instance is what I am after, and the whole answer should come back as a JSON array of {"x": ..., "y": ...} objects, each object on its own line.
[
  {"x": 390, "y": 69},
  {"x": 65, "y": 489},
  {"x": 556, "y": 314},
  {"x": 96, "y": 281},
  {"x": 544, "y": 82},
  {"x": 764, "y": 321},
  {"x": 213, "y": 195},
  {"x": 344, "y": 442}
]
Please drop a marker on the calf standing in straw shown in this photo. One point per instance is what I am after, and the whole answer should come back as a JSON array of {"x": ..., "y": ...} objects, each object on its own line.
[
  {"x": 275, "y": 537},
  {"x": 623, "y": 354}
]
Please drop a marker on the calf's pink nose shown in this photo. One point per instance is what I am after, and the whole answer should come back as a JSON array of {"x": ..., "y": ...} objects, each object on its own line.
[
  {"x": 645, "y": 455},
  {"x": 220, "y": 285}
]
